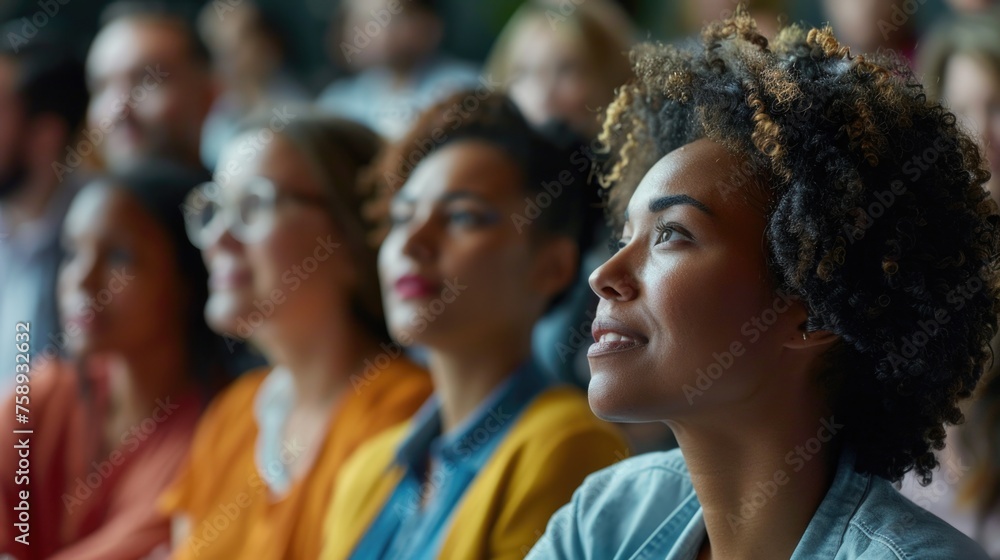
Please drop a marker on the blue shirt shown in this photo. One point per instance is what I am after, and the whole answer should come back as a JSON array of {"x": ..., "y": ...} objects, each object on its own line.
[
  {"x": 646, "y": 508},
  {"x": 415, "y": 519}
]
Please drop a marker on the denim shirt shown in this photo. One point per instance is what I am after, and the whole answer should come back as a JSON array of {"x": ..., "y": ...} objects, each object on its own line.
[
  {"x": 405, "y": 530},
  {"x": 645, "y": 508}
]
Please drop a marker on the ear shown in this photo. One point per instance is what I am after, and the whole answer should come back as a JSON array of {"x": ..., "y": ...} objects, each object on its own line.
[
  {"x": 555, "y": 265},
  {"x": 811, "y": 340}
]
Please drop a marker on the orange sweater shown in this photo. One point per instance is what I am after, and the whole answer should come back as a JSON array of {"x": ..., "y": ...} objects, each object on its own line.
[
  {"x": 86, "y": 503},
  {"x": 230, "y": 511}
]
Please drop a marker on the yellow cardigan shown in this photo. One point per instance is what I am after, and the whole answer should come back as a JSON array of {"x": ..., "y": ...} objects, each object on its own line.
[{"x": 555, "y": 444}]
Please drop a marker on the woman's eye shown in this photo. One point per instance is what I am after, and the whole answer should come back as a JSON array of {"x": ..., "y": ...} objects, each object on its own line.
[
  {"x": 669, "y": 232},
  {"x": 468, "y": 218},
  {"x": 665, "y": 234},
  {"x": 119, "y": 256}
]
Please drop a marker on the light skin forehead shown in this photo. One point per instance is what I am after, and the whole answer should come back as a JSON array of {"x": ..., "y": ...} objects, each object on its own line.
[
  {"x": 278, "y": 159},
  {"x": 472, "y": 165},
  {"x": 131, "y": 43}
]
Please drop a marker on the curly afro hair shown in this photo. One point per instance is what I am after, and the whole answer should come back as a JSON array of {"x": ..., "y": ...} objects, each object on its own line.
[{"x": 877, "y": 216}]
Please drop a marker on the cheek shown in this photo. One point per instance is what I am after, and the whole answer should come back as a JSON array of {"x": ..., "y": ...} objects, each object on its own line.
[{"x": 706, "y": 313}]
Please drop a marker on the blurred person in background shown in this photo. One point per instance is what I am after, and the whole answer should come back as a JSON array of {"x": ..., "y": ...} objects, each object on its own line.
[
  {"x": 249, "y": 55},
  {"x": 392, "y": 47},
  {"x": 961, "y": 65},
  {"x": 113, "y": 423},
  {"x": 869, "y": 25},
  {"x": 972, "y": 7},
  {"x": 696, "y": 13},
  {"x": 151, "y": 85},
  {"x": 287, "y": 248},
  {"x": 563, "y": 67},
  {"x": 500, "y": 446},
  {"x": 43, "y": 99}
]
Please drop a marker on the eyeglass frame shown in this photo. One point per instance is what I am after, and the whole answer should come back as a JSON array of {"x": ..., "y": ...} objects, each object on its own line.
[{"x": 201, "y": 235}]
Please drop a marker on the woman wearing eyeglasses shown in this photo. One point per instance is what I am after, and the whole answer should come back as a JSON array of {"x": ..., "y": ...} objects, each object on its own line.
[{"x": 291, "y": 270}]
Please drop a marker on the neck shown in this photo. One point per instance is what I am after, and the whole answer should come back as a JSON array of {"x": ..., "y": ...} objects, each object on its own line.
[
  {"x": 760, "y": 478},
  {"x": 322, "y": 360},
  {"x": 464, "y": 377},
  {"x": 143, "y": 380},
  {"x": 31, "y": 199}
]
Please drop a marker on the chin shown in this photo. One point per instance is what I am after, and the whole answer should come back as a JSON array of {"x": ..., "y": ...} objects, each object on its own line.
[{"x": 222, "y": 314}]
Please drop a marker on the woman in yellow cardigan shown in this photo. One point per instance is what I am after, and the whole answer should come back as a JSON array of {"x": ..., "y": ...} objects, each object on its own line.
[
  {"x": 291, "y": 269},
  {"x": 485, "y": 236}
]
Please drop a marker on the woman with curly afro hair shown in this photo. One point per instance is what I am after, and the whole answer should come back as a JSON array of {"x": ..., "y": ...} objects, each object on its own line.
[{"x": 805, "y": 287}]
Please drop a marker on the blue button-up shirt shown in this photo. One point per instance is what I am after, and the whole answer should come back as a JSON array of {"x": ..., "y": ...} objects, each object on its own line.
[
  {"x": 415, "y": 519},
  {"x": 645, "y": 508}
]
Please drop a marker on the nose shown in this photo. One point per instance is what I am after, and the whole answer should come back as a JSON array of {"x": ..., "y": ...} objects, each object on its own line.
[
  {"x": 614, "y": 280},
  {"x": 224, "y": 241},
  {"x": 80, "y": 274},
  {"x": 420, "y": 241}
]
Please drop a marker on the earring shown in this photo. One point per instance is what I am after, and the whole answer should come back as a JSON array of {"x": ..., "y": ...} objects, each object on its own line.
[{"x": 804, "y": 337}]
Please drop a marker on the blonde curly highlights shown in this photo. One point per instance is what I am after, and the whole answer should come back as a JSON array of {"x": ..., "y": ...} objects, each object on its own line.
[{"x": 875, "y": 212}]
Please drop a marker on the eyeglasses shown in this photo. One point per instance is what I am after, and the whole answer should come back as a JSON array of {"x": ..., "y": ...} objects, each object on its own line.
[{"x": 249, "y": 216}]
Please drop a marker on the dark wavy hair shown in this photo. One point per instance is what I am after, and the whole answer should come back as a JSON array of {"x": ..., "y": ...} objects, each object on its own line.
[
  {"x": 876, "y": 214},
  {"x": 546, "y": 156}
]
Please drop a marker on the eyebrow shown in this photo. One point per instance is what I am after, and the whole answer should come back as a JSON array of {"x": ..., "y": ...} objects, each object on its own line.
[{"x": 660, "y": 204}]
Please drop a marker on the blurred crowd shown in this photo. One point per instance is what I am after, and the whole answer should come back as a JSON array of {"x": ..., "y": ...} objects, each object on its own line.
[{"x": 218, "y": 300}]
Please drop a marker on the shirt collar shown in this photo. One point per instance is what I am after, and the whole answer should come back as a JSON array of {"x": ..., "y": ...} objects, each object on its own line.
[
  {"x": 826, "y": 530},
  {"x": 472, "y": 442}
]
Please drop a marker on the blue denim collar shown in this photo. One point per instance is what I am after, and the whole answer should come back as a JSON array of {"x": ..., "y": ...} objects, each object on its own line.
[{"x": 471, "y": 443}]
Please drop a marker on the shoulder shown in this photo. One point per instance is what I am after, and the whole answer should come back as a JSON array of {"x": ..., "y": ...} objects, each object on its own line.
[
  {"x": 232, "y": 409},
  {"x": 561, "y": 406},
  {"x": 373, "y": 457},
  {"x": 386, "y": 384},
  {"x": 889, "y": 525},
  {"x": 618, "y": 509},
  {"x": 660, "y": 476},
  {"x": 563, "y": 416}
]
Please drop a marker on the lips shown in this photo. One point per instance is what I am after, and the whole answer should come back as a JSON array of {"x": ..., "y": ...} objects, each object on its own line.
[
  {"x": 413, "y": 286},
  {"x": 612, "y": 336}
]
